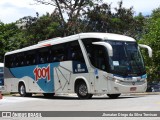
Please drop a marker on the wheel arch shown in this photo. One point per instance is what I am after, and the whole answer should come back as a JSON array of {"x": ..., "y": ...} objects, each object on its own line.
[
  {"x": 22, "y": 82},
  {"x": 81, "y": 79}
]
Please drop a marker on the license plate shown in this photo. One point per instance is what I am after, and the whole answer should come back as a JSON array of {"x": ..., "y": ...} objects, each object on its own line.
[{"x": 133, "y": 89}]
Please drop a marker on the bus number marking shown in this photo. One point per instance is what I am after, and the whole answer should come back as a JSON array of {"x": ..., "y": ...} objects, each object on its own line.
[{"x": 42, "y": 73}]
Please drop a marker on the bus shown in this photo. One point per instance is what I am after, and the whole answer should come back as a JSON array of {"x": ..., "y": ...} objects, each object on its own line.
[
  {"x": 1, "y": 77},
  {"x": 86, "y": 64}
]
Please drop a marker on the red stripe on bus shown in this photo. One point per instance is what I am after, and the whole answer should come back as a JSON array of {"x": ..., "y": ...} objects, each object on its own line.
[{"x": 47, "y": 45}]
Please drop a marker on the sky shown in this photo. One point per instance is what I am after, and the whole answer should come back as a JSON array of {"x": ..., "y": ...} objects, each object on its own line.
[{"x": 12, "y": 10}]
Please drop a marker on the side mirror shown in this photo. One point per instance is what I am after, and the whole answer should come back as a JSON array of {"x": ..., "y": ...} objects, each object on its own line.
[
  {"x": 107, "y": 45},
  {"x": 148, "y": 48}
]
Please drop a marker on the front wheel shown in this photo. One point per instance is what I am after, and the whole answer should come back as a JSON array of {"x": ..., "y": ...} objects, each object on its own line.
[
  {"x": 82, "y": 91},
  {"x": 113, "y": 96}
]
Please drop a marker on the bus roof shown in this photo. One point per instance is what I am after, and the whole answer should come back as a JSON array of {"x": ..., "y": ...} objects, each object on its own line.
[{"x": 54, "y": 41}]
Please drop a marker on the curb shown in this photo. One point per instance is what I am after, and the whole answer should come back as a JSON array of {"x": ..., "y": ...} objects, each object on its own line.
[{"x": 146, "y": 93}]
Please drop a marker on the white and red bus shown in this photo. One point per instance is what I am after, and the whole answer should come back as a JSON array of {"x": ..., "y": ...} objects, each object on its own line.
[{"x": 86, "y": 64}]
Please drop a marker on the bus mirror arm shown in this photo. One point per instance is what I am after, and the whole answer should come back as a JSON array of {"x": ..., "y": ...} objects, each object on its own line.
[
  {"x": 147, "y": 47},
  {"x": 107, "y": 45}
]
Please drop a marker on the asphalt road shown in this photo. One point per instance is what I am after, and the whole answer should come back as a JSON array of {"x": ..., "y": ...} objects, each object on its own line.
[{"x": 138, "y": 102}]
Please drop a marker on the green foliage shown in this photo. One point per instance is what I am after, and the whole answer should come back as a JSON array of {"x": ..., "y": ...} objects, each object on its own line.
[
  {"x": 10, "y": 38},
  {"x": 70, "y": 12},
  {"x": 139, "y": 23},
  {"x": 45, "y": 27},
  {"x": 122, "y": 21},
  {"x": 152, "y": 38}
]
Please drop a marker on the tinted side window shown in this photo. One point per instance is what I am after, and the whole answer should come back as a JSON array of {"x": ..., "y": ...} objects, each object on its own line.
[
  {"x": 88, "y": 44},
  {"x": 19, "y": 59},
  {"x": 15, "y": 60},
  {"x": 44, "y": 55},
  {"x": 98, "y": 57},
  {"x": 58, "y": 53},
  {"x": 8, "y": 61},
  {"x": 96, "y": 54},
  {"x": 31, "y": 58},
  {"x": 75, "y": 52}
]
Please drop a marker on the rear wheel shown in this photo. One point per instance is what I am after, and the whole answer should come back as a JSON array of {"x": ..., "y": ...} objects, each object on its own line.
[
  {"x": 82, "y": 91},
  {"x": 113, "y": 96},
  {"x": 22, "y": 91}
]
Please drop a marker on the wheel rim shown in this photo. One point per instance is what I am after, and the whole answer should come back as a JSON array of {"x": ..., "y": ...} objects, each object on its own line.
[
  {"x": 83, "y": 90},
  {"x": 22, "y": 89}
]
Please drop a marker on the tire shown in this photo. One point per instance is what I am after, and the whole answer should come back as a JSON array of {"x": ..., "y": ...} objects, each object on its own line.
[
  {"x": 48, "y": 95},
  {"x": 113, "y": 96},
  {"x": 22, "y": 91},
  {"x": 82, "y": 91}
]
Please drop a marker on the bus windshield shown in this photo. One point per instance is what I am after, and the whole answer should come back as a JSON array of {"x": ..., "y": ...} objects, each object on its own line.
[{"x": 126, "y": 59}]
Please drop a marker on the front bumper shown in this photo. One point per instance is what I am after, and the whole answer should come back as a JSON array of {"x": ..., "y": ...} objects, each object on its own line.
[{"x": 132, "y": 87}]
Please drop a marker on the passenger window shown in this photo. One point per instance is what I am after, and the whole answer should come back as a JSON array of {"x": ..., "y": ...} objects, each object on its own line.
[
  {"x": 31, "y": 58},
  {"x": 98, "y": 57},
  {"x": 89, "y": 46},
  {"x": 8, "y": 61},
  {"x": 96, "y": 54},
  {"x": 44, "y": 55},
  {"x": 20, "y": 59},
  {"x": 58, "y": 53},
  {"x": 74, "y": 52}
]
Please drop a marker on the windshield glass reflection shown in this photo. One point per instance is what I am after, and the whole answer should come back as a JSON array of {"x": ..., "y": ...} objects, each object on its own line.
[{"x": 126, "y": 59}]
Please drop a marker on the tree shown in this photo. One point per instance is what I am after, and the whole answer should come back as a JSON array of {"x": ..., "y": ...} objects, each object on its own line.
[
  {"x": 152, "y": 38},
  {"x": 98, "y": 19},
  {"x": 122, "y": 21},
  {"x": 10, "y": 38},
  {"x": 139, "y": 26},
  {"x": 42, "y": 28},
  {"x": 69, "y": 12}
]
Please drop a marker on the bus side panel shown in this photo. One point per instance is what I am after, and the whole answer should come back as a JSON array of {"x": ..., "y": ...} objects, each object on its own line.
[
  {"x": 10, "y": 82},
  {"x": 67, "y": 73},
  {"x": 62, "y": 77},
  {"x": 37, "y": 78}
]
